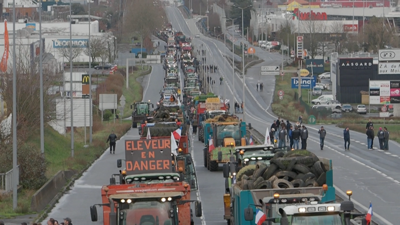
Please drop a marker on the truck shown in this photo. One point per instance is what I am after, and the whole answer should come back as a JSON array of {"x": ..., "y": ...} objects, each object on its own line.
[
  {"x": 211, "y": 107},
  {"x": 295, "y": 183},
  {"x": 141, "y": 110},
  {"x": 307, "y": 212},
  {"x": 149, "y": 190},
  {"x": 223, "y": 138}
]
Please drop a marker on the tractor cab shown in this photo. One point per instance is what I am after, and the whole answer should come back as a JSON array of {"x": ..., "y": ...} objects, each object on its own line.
[{"x": 251, "y": 154}]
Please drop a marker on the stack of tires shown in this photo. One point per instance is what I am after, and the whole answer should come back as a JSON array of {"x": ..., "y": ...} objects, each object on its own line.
[{"x": 299, "y": 168}]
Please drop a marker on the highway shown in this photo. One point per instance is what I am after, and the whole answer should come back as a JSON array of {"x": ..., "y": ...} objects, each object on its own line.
[{"x": 373, "y": 176}]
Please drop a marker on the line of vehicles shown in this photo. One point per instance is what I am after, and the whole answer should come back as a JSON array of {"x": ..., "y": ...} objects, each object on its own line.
[
  {"x": 263, "y": 184},
  {"x": 154, "y": 184}
]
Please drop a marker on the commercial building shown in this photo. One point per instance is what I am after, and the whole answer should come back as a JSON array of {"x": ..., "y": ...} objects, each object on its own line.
[{"x": 56, "y": 40}]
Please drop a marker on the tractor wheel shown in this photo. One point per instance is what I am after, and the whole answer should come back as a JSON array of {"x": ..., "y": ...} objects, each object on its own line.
[{"x": 213, "y": 164}]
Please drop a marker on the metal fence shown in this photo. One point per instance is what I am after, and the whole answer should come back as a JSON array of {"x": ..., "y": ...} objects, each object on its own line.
[{"x": 6, "y": 180}]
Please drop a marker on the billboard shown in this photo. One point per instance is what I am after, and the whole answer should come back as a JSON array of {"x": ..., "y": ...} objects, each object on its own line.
[
  {"x": 306, "y": 82},
  {"x": 350, "y": 28},
  {"x": 354, "y": 72},
  {"x": 148, "y": 156},
  {"x": 315, "y": 66},
  {"x": 31, "y": 25},
  {"x": 76, "y": 43},
  {"x": 384, "y": 92}
]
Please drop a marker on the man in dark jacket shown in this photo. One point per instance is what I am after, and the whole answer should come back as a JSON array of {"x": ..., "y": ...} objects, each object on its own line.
[
  {"x": 271, "y": 135},
  {"x": 381, "y": 138},
  {"x": 385, "y": 130},
  {"x": 288, "y": 126},
  {"x": 290, "y": 135},
  {"x": 282, "y": 137},
  {"x": 370, "y": 137},
  {"x": 346, "y": 137},
  {"x": 369, "y": 124},
  {"x": 296, "y": 137},
  {"x": 322, "y": 134},
  {"x": 112, "y": 138},
  {"x": 304, "y": 136}
]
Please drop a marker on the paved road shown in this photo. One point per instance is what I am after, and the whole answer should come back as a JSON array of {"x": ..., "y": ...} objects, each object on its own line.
[
  {"x": 372, "y": 175},
  {"x": 86, "y": 190}
]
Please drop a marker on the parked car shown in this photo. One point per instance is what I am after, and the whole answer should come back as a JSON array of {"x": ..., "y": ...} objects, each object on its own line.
[
  {"x": 106, "y": 66},
  {"x": 322, "y": 99},
  {"x": 317, "y": 90},
  {"x": 320, "y": 85},
  {"x": 334, "y": 104},
  {"x": 326, "y": 75},
  {"x": 361, "y": 109},
  {"x": 347, "y": 108}
]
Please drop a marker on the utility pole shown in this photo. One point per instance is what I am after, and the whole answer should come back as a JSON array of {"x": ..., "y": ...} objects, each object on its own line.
[
  {"x": 41, "y": 80},
  {"x": 70, "y": 69},
  {"x": 90, "y": 81},
  {"x": 14, "y": 117}
]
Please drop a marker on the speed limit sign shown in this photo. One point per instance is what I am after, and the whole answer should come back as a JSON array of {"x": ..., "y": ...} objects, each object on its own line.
[{"x": 281, "y": 93}]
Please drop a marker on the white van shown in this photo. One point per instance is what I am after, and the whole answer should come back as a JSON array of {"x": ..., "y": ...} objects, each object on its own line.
[{"x": 322, "y": 99}]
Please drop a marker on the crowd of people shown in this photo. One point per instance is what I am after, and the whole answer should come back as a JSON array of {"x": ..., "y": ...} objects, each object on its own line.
[
  {"x": 51, "y": 221},
  {"x": 282, "y": 132}
]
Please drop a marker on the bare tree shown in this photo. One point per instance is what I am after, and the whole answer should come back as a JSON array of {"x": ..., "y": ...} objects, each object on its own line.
[
  {"x": 314, "y": 31},
  {"x": 66, "y": 52},
  {"x": 96, "y": 48},
  {"x": 337, "y": 34},
  {"x": 144, "y": 18},
  {"x": 378, "y": 33}
]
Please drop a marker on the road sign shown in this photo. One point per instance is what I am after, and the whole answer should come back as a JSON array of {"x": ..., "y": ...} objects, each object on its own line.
[
  {"x": 282, "y": 73},
  {"x": 299, "y": 46},
  {"x": 306, "y": 82},
  {"x": 312, "y": 119},
  {"x": 269, "y": 68},
  {"x": 85, "y": 86},
  {"x": 389, "y": 55},
  {"x": 280, "y": 97},
  {"x": 304, "y": 72},
  {"x": 384, "y": 108},
  {"x": 251, "y": 50},
  {"x": 269, "y": 73},
  {"x": 122, "y": 101},
  {"x": 281, "y": 93}
]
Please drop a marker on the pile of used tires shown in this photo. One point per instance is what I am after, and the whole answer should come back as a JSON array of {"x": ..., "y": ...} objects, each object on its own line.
[{"x": 299, "y": 168}]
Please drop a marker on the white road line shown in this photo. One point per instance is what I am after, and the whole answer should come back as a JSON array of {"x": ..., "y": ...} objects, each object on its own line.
[{"x": 148, "y": 83}]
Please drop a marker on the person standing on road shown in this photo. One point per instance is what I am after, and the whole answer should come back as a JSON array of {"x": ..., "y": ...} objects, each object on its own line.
[
  {"x": 271, "y": 135},
  {"x": 386, "y": 146},
  {"x": 304, "y": 136},
  {"x": 220, "y": 80},
  {"x": 282, "y": 136},
  {"x": 296, "y": 137},
  {"x": 369, "y": 124},
  {"x": 300, "y": 119},
  {"x": 290, "y": 135},
  {"x": 288, "y": 127},
  {"x": 67, "y": 221},
  {"x": 370, "y": 138},
  {"x": 112, "y": 138},
  {"x": 381, "y": 138},
  {"x": 346, "y": 137},
  {"x": 322, "y": 134}
]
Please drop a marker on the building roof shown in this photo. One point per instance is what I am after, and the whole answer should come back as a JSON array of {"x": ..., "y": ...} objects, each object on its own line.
[{"x": 301, "y": 2}]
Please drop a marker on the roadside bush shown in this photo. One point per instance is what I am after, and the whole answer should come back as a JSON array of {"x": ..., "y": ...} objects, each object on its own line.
[
  {"x": 32, "y": 167},
  {"x": 107, "y": 115}
]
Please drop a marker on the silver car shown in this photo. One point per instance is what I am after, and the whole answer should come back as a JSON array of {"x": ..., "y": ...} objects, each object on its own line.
[{"x": 361, "y": 109}]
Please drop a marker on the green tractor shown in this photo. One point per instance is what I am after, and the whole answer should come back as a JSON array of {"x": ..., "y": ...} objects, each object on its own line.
[{"x": 141, "y": 110}]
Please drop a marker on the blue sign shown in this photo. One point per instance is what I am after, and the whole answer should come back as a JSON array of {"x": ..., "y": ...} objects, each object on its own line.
[
  {"x": 306, "y": 82},
  {"x": 76, "y": 43},
  {"x": 317, "y": 66},
  {"x": 31, "y": 25}
]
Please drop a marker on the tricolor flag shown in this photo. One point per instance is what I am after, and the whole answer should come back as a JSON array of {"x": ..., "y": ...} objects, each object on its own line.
[
  {"x": 210, "y": 144},
  {"x": 148, "y": 133},
  {"x": 174, "y": 146},
  {"x": 369, "y": 214},
  {"x": 267, "y": 139},
  {"x": 177, "y": 134},
  {"x": 260, "y": 217},
  {"x": 251, "y": 142}
]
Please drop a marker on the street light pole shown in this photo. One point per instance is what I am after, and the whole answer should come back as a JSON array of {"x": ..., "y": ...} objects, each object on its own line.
[
  {"x": 41, "y": 81},
  {"x": 70, "y": 68},
  {"x": 14, "y": 117},
  {"x": 90, "y": 84}
]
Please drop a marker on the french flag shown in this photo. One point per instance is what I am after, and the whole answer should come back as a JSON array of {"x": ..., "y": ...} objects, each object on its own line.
[
  {"x": 177, "y": 134},
  {"x": 369, "y": 214},
  {"x": 260, "y": 217},
  {"x": 251, "y": 142},
  {"x": 210, "y": 145}
]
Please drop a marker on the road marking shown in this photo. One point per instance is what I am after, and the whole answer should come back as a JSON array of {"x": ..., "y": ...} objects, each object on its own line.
[
  {"x": 88, "y": 186},
  {"x": 148, "y": 83}
]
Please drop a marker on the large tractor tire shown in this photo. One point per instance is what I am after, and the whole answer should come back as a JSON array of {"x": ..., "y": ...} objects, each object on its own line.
[
  {"x": 200, "y": 134},
  {"x": 247, "y": 170},
  {"x": 205, "y": 152},
  {"x": 213, "y": 164}
]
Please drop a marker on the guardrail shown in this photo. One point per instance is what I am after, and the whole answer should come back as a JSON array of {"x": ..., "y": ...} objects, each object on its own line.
[{"x": 6, "y": 180}]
